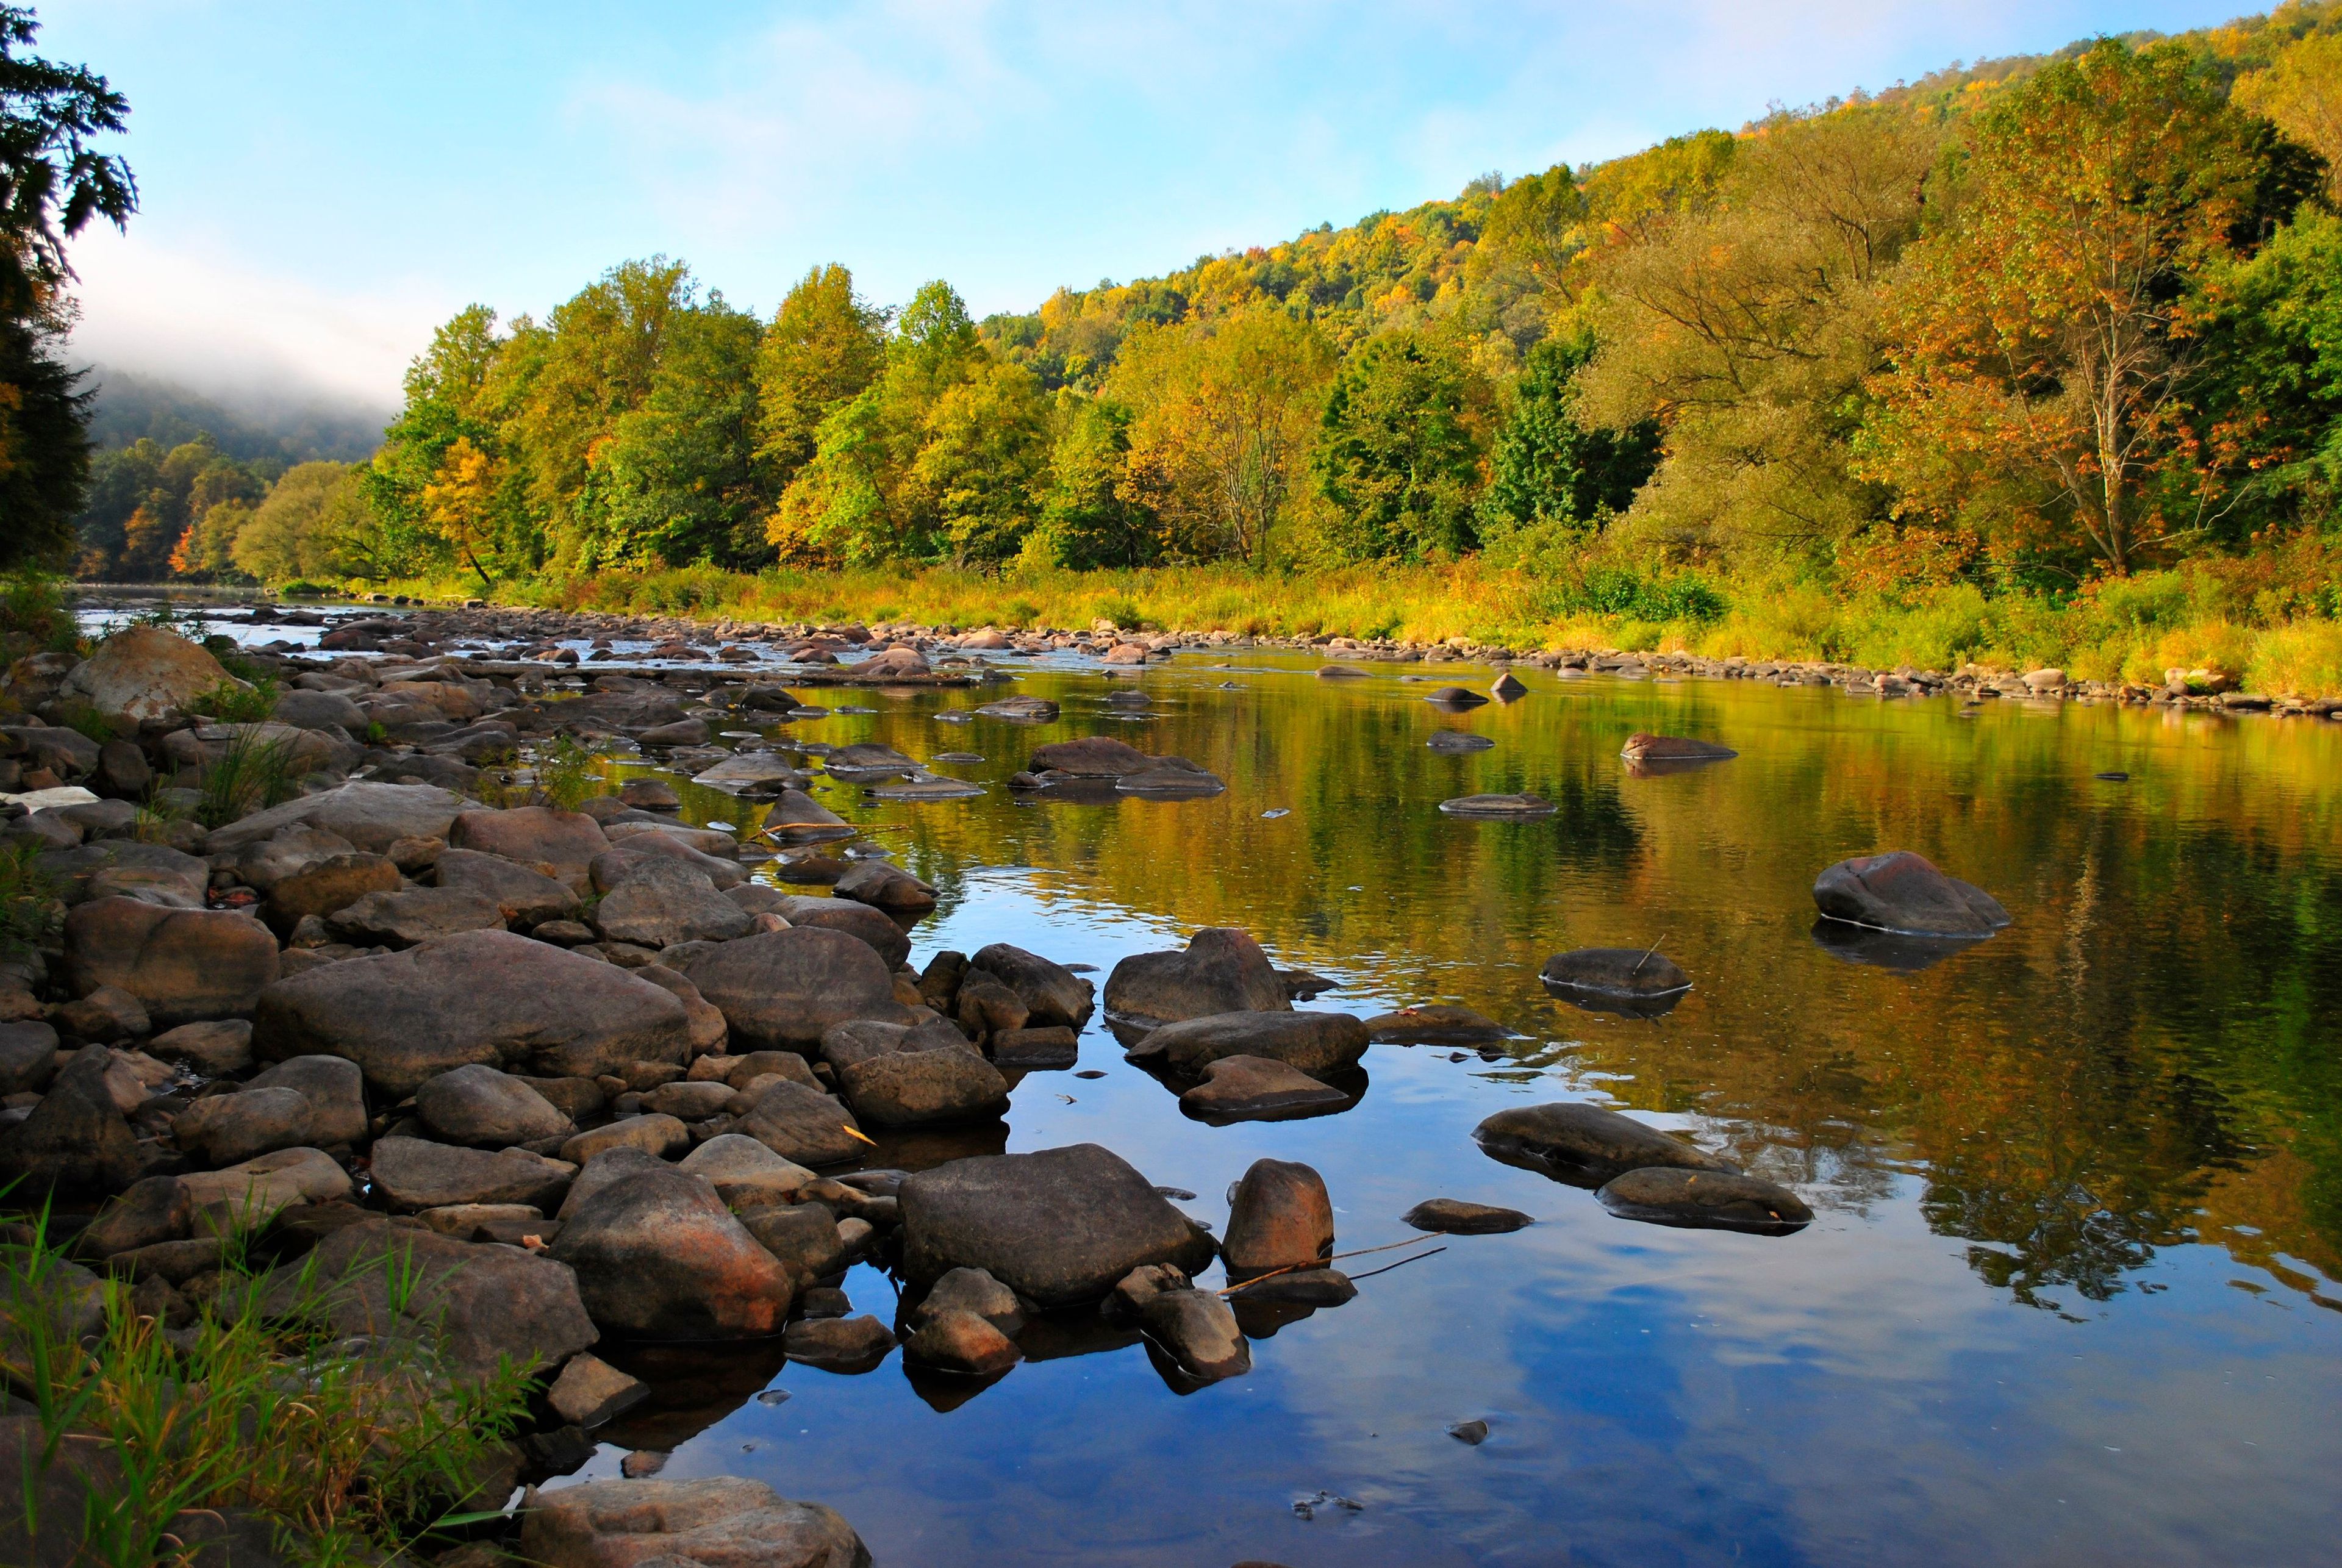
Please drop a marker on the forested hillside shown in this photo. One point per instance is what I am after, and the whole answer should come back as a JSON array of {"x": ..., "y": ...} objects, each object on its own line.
[{"x": 2029, "y": 327}]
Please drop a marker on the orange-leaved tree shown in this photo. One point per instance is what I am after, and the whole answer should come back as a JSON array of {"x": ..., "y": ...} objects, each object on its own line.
[
  {"x": 460, "y": 504},
  {"x": 2042, "y": 333}
]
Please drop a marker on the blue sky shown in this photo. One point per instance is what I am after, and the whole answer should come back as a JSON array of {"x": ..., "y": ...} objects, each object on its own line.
[{"x": 322, "y": 183}]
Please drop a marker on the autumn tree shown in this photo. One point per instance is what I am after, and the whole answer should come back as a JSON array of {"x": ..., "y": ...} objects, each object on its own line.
[
  {"x": 2301, "y": 94},
  {"x": 454, "y": 394},
  {"x": 312, "y": 524},
  {"x": 823, "y": 347},
  {"x": 2046, "y": 342},
  {"x": 1225, "y": 413}
]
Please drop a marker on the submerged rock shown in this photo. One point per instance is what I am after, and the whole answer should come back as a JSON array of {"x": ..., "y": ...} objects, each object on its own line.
[
  {"x": 1255, "y": 1089},
  {"x": 1316, "y": 1042},
  {"x": 1629, "y": 974},
  {"x": 1499, "y": 807},
  {"x": 1705, "y": 1200},
  {"x": 1458, "y": 741},
  {"x": 1585, "y": 1145},
  {"x": 1642, "y": 747},
  {"x": 1458, "y": 1217},
  {"x": 1434, "y": 1024},
  {"x": 1058, "y": 1226},
  {"x": 724, "y": 1519},
  {"x": 1904, "y": 892},
  {"x": 1222, "y": 969}
]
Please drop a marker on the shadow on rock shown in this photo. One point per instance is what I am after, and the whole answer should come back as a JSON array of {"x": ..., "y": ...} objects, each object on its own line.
[{"x": 693, "y": 1387}]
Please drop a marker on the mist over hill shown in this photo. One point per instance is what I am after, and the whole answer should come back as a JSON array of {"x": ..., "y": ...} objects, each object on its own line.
[{"x": 290, "y": 427}]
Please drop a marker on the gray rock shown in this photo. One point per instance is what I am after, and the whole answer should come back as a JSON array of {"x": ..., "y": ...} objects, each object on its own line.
[
  {"x": 839, "y": 1343},
  {"x": 334, "y": 1089},
  {"x": 976, "y": 1294},
  {"x": 524, "y": 896},
  {"x": 1644, "y": 747},
  {"x": 567, "y": 841},
  {"x": 961, "y": 1343},
  {"x": 688, "y": 1102},
  {"x": 780, "y": 990},
  {"x": 413, "y": 917},
  {"x": 182, "y": 965},
  {"x": 485, "y": 1108},
  {"x": 264, "y": 862},
  {"x": 655, "y": 1135},
  {"x": 1705, "y": 1201},
  {"x": 1626, "y": 973},
  {"x": 1279, "y": 1218},
  {"x": 1434, "y": 1024},
  {"x": 615, "y": 866},
  {"x": 650, "y": 1523},
  {"x": 1198, "y": 1331},
  {"x": 75, "y": 1140},
  {"x": 1458, "y": 1217},
  {"x": 109, "y": 1015},
  {"x": 1301, "y": 1288},
  {"x": 803, "y": 1124},
  {"x": 1058, "y": 1226},
  {"x": 1314, "y": 1042},
  {"x": 1584, "y": 1146},
  {"x": 325, "y": 886},
  {"x": 665, "y": 901},
  {"x": 249, "y": 1195},
  {"x": 920, "y": 1088},
  {"x": 873, "y": 927},
  {"x": 590, "y": 1392},
  {"x": 1499, "y": 807},
  {"x": 320, "y": 711},
  {"x": 28, "y": 1054},
  {"x": 604, "y": 1168},
  {"x": 743, "y": 1172},
  {"x": 1904, "y": 892},
  {"x": 659, "y": 1256},
  {"x": 150, "y": 1212},
  {"x": 486, "y": 996},
  {"x": 803, "y": 1236},
  {"x": 228, "y": 1129},
  {"x": 1221, "y": 971},
  {"x": 485, "y": 1304},
  {"x": 1255, "y": 1089},
  {"x": 368, "y": 816},
  {"x": 886, "y": 888},
  {"x": 413, "y": 1174},
  {"x": 126, "y": 868},
  {"x": 1052, "y": 993}
]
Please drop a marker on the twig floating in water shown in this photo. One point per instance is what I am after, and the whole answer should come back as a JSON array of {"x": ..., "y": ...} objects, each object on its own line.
[{"x": 1400, "y": 1264}]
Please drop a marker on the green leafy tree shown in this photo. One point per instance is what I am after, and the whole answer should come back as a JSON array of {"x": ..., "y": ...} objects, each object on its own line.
[
  {"x": 677, "y": 479},
  {"x": 1546, "y": 469},
  {"x": 313, "y": 523},
  {"x": 1087, "y": 520},
  {"x": 1399, "y": 447},
  {"x": 983, "y": 468},
  {"x": 452, "y": 396},
  {"x": 823, "y": 347}
]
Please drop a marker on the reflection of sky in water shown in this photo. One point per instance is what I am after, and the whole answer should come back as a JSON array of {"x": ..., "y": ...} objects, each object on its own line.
[{"x": 1858, "y": 1392}]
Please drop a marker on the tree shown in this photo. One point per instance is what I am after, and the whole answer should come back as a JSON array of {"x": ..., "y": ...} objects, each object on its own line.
[
  {"x": 1399, "y": 446},
  {"x": 460, "y": 504},
  {"x": 312, "y": 525},
  {"x": 2301, "y": 94},
  {"x": 1087, "y": 520},
  {"x": 824, "y": 346},
  {"x": 1225, "y": 413},
  {"x": 2045, "y": 333},
  {"x": 981, "y": 470},
  {"x": 53, "y": 182},
  {"x": 454, "y": 394},
  {"x": 677, "y": 477},
  {"x": 1547, "y": 469}
]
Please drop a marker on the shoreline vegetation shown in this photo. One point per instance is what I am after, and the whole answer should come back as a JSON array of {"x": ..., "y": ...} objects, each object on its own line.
[{"x": 2029, "y": 363}]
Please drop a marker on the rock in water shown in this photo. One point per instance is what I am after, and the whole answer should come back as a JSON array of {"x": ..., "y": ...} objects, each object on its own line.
[
  {"x": 1051, "y": 993},
  {"x": 1585, "y": 1145},
  {"x": 1457, "y": 1217},
  {"x": 183, "y": 965},
  {"x": 1280, "y": 1217},
  {"x": 921, "y": 1088},
  {"x": 590, "y": 1391},
  {"x": 1058, "y": 1226},
  {"x": 847, "y": 1345},
  {"x": 1642, "y": 747},
  {"x": 884, "y": 886},
  {"x": 1222, "y": 971},
  {"x": 1455, "y": 697},
  {"x": 1458, "y": 741},
  {"x": 1198, "y": 1331},
  {"x": 1632, "y": 974},
  {"x": 1507, "y": 688},
  {"x": 781, "y": 989},
  {"x": 1706, "y": 1200},
  {"x": 227, "y": 1129},
  {"x": 1255, "y": 1089},
  {"x": 962, "y": 1342},
  {"x": 486, "y": 996},
  {"x": 1310, "y": 1042},
  {"x": 1499, "y": 807},
  {"x": 659, "y": 1256},
  {"x": 1434, "y": 1024},
  {"x": 721, "y": 1519},
  {"x": 1904, "y": 892}
]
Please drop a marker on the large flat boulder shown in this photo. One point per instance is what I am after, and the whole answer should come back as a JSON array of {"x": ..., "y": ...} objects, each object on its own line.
[
  {"x": 921, "y": 1088},
  {"x": 803, "y": 1124},
  {"x": 780, "y": 990},
  {"x": 482, "y": 1108},
  {"x": 1585, "y": 1145},
  {"x": 367, "y": 815},
  {"x": 182, "y": 965},
  {"x": 1059, "y": 1227},
  {"x": 1221, "y": 969},
  {"x": 567, "y": 841},
  {"x": 663, "y": 903},
  {"x": 659, "y": 1256},
  {"x": 723, "y": 1520},
  {"x": 1314, "y": 1043},
  {"x": 523, "y": 894},
  {"x": 485, "y": 996},
  {"x": 415, "y": 1173},
  {"x": 142, "y": 672}
]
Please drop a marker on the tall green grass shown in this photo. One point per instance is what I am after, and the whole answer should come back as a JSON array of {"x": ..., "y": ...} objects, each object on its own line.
[{"x": 251, "y": 772}]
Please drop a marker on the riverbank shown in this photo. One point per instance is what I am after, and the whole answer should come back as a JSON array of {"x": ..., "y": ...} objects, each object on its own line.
[{"x": 2239, "y": 631}]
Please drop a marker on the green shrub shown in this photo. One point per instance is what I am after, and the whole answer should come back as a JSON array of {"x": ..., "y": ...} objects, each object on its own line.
[
  {"x": 35, "y": 616},
  {"x": 235, "y": 704},
  {"x": 251, "y": 773},
  {"x": 25, "y": 896},
  {"x": 84, "y": 719}
]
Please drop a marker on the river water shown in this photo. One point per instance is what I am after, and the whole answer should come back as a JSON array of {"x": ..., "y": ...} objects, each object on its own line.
[{"x": 2071, "y": 1293}]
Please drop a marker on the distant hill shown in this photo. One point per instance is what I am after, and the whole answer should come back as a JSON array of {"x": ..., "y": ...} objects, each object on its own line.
[{"x": 131, "y": 407}]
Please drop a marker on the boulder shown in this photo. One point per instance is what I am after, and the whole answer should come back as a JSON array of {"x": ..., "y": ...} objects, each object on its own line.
[
  {"x": 607, "y": 1166},
  {"x": 961, "y": 1343},
  {"x": 182, "y": 965},
  {"x": 479, "y": 1106},
  {"x": 1255, "y": 1089},
  {"x": 619, "y": 864},
  {"x": 524, "y": 896},
  {"x": 485, "y": 1305},
  {"x": 264, "y": 862},
  {"x": 1280, "y": 1217},
  {"x": 1507, "y": 688},
  {"x": 803, "y": 1124},
  {"x": 659, "y": 1256},
  {"x": 654, "y": 1135},
  {"x": 336, "y": 1090},
  {"x": 688, "y": 1102},
  {"x": 723, "y": 1521},
  {"x": 1628, "y": 974},
  {"x": 1059, "y": 1227},
  {"x": 367, "y": 816},
  {"x": 868, "y": 762},
  {"x": 215, "y": 1048},
  {"x": 567, "y": 841},
  {"x": 485, "y": 996},
  {"x": 749, "y": 772},
  {"x": 1050, "y": 1047},
  {"x": 151, "y": 1212},
  {"x": 108, "y": 1015},
  {"x": 976, "y": 1293},
  {"x": 1198, "y": 1331},
  {"x": 300, "y": 751},
  {"x": 743, "y": 1172},
  {"x": 803, "y": 1236},
  {"x": 1585, "y": 1145},
  {"x": 126, "y": 868},
  {"x": 1314, "y": 1043},
  {"x": 886, "y": 888},
  {"x": 1458, "y": 1217},
  {"x": 249, "y": 1195},
  {"x": 873, "y": 927},
  {"x": 75, "y": 1140},
  {"x": 797, "y": 818},
  {"x": 29, "y": 1057},
  {"x": 228, "y": 1129},
  {"x": 413, "y": 915},
  {"x": 1091, "y": 756},
  {"x": 1455, "y": 697},
  {"x": 845, "y": 1344},
  {"x": 1221, "y": 971},
  {"x": 710, "y": 1034},
  {"x": 665, "y": 901},
  {"x": 1434, "y": 1024},
  {"x": 780, "y": 990},
  {"x": 320, "y": 711},
  {"x": 1642, "y": 747},
  {"x": 921, "y": 1088},
  {"x": 1904, "y": 892},
  {"x": 325, "y": 886},
  {"x": 142, "y": 672},
  {"x": 1705, "y": 1201},
  {"x": 1051, "y": 993},
  {"x": 1499, "y": 807},
  {"x": 413, "y": 1174},
  {"x": 590, "y": 1391}
]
